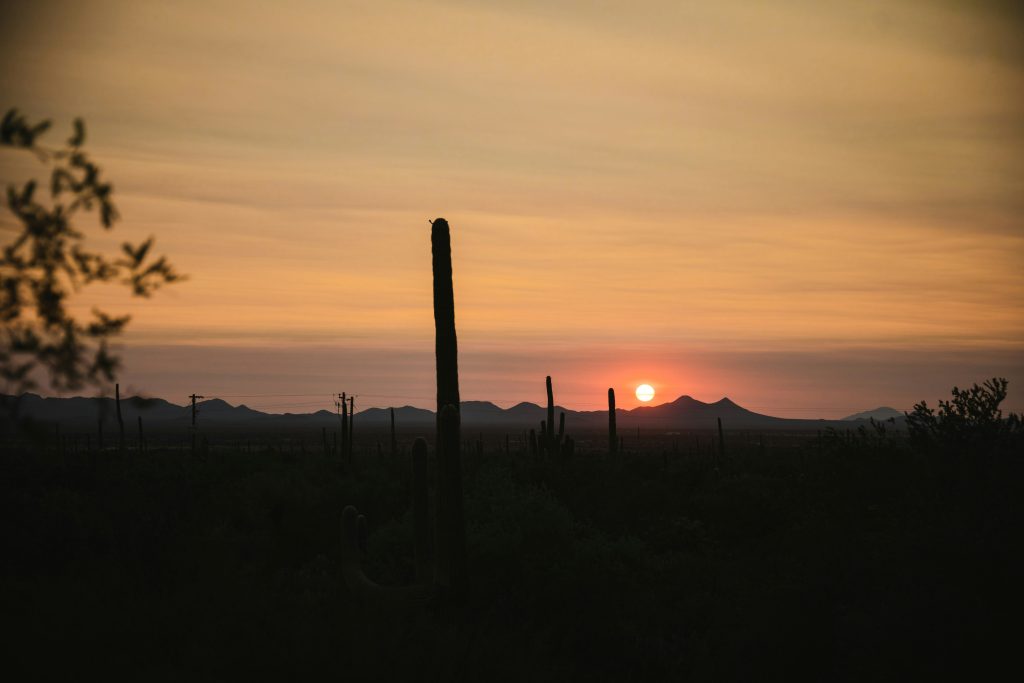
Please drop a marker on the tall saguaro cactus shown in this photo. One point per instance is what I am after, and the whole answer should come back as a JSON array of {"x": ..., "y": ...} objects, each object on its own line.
[
  {"x": 613, "y": 441},
  {"x": 549, "y": 436},
  {"x": 452, "y": 570}
]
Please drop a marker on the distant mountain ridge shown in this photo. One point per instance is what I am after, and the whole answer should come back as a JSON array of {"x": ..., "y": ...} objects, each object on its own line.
[
  {"x": 684, "y": 412},
  {"x": 881, "y": 413}
]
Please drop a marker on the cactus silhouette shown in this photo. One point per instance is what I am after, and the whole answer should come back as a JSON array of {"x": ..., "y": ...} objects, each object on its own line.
[
  {"x": 353, "y": 538},
  {"x": 450, "y": 581},
  {"x": 551, "y": 442},
  {"x": 613, "y": 442},
  {"x": 120, "y": 420},
  {"x": 142, "y": 438},
  {"x": 394, "y": 440},
  {"x": 549, "y": 436}
]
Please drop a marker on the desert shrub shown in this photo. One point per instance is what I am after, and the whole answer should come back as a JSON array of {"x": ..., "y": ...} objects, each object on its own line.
[{"x": 971, "y": 422}]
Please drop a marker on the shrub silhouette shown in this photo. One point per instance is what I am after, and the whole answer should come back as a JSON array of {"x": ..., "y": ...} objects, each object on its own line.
[{"x": 972, "y": 419}]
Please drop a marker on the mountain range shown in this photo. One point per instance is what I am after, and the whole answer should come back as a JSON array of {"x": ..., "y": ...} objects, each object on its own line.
[{"x": 683, "y": 413}]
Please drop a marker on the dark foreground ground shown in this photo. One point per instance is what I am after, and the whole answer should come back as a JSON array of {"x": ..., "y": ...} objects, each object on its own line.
[{"x": 843, "y": 558}]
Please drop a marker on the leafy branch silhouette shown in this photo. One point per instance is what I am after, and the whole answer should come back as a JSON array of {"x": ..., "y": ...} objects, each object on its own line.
[{"x": 48, "y": 261}]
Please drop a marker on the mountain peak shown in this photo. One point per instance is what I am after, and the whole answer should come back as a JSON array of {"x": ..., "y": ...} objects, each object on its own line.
[
  {"x": 687, "y": 400},
  {"x": 880, "y": 413}
]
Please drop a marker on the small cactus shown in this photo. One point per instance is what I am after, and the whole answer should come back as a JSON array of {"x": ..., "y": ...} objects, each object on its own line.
[
  {"x": 721, "y": 440},
  {"x": 613, "y": 441},
  {"x": 120, "y": 420},
  {"x": 549, "y": 435},
  {"x": 353, "y": 538},
  {"x": 394, "y": 439}
]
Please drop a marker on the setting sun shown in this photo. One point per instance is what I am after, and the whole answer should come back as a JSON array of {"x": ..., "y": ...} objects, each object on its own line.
[{"x": 645, "y": 392}]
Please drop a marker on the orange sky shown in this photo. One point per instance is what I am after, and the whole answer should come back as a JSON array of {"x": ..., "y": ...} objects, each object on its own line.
[{"x": 813, "y": 207}]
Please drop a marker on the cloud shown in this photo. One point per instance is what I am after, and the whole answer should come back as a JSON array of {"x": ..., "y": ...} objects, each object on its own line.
[{"x": 726, "y": 175}]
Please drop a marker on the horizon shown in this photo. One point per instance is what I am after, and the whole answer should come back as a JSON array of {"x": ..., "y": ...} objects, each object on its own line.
[
  {"x": 811, "y": 208},
  {"x": 238, "y": 401}
]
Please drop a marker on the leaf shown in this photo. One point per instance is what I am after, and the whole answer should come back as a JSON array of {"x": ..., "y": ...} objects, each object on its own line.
[
  {"x": 26, "y": 194},
  {"x": 38, "y": 129},
  {"x": 108, "y": 214},
  {"x": 140, "y": 253},
  {"x": 8, "y": 126},
  {"x": 78, "y": 138}
]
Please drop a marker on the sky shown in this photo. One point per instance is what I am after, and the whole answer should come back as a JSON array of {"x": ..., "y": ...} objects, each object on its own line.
[{"x": 811, "y": 207}]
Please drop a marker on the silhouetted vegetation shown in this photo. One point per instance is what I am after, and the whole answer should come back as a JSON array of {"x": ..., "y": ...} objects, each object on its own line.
[
  {"x": 971, "y": 423},
  {"x": 47, "y": 260},
  {"x": 849, "y": 557}
]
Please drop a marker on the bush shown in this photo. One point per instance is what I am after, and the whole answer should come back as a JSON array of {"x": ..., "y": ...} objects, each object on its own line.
[{"x": 971, "y": 421}]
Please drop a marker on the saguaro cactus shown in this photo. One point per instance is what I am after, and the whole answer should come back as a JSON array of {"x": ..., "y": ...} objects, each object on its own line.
[
  {"x": 613, "y": 442},
  {"x": 142, "y": 438},
  {"x": 452, "y": 571},
  {"x": 120, "y": 420},
  {"x": 549, "y": 436},
  {"x": 353, "y": 532},
  {"x": 451, "y": 574}
]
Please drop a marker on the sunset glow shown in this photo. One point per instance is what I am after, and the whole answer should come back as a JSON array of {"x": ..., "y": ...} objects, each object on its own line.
[
  {"x": 644, "y": 393},
  {"x": 809, "y": 207}
]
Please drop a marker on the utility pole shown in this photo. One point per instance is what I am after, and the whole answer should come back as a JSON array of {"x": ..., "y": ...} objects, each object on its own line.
[
  {"x": 343, "y": 406},
  {"x": 351, "y": 423},
  {"x": 194, "y": 411}
]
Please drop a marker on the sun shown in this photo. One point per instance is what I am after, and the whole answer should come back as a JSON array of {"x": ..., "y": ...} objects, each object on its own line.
[{"x": 645, "y": 392}]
